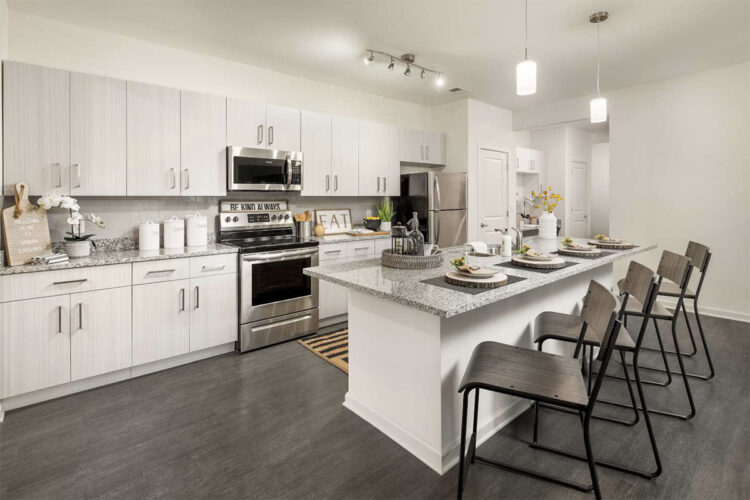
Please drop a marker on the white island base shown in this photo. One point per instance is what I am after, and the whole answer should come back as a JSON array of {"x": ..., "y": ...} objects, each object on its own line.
[{"x": 405, "y": 365}]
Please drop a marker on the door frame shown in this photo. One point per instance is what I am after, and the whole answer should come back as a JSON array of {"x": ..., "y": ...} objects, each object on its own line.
[{"x": 509, "y": 207}]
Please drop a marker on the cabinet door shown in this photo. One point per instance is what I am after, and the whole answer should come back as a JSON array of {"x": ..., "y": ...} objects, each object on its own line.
[
  {"x": 371, "y": 154},
  {"x": 411, "y": 146},
  {"x": 283, "y": 126},
  {"x": 34, "y": 344},
  {"x": 523, "y": 159},
  {"x": 100, "y": 332},
  {"x": 97, "y": 136},
  {"x": 36, "y": 125},
  {"x": 332, "y": 298},
  {"x": 213, "y": 311},
  {"x": 538, "y": 161},
  {"x": 316, "y": 150},
  {"x": 434, "y": 148},
  {"x": 382, "y": 244},
  {"x": 153, "y": 140},
  {"x": 345, "y": 156},
  {"x": 203, "y": 139},
  {"x": 246, "y": 123},
  {"x": 161, "y": 320},
  {"x": 390, "y": 167}
]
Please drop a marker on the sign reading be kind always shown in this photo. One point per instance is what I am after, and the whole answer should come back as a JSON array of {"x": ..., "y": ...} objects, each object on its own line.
[{"x": 335, "y": 221}]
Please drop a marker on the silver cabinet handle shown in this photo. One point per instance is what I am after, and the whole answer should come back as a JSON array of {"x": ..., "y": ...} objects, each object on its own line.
[
  {"x": 159, "y": 271},
  {"x": 385, "y": 184},
  {"x": 260, "y": 133},
  {"x": 328, "y": 182},
  {"x": 187, "y": 178},
  {"x": 205, "y": 269},
  {"x": 77, "y": 167},
  {"x": 174, "y": 178},
  {"x": 421, "y": 152},
  {"x": 59, "y": 174},
  {"x": 331, "y": 251},
  {"x": 482, "y": 225},
  {"x": 182, "y": 299},
  {"x": 82, "y": 280},
  {"x": 518, "y": 163},
  {"x": 335, "y": 182},
  {"x": 59, "y": 319},
  {"x": 427, "y": 152},
  {"x": 378, "y": 184},
  {"x": 80, "y": 315},
  {"x": 270, "y": 135},
  {"x": 361, "y": 248},
  {"x": 197, "y": 297}
]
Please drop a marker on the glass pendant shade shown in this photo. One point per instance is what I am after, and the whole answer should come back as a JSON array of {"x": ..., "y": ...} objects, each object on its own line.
[
  {"x": 526, "y": 78},
  {"x": 598, "y": 110}
]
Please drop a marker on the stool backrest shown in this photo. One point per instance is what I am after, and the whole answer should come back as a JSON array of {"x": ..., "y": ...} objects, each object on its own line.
[
  {"x": 599, "y": 312},
  {"x": 638, "y": 282},
  {"x": 698, "y": 255},
  {"x": 675, "y": 267}
]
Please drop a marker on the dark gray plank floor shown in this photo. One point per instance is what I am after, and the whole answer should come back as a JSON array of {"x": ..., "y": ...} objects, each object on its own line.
[{"x": 270, "y": 424}]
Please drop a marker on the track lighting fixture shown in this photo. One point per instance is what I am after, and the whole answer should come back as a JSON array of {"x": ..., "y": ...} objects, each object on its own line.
[{"x": 407, "y": 60}]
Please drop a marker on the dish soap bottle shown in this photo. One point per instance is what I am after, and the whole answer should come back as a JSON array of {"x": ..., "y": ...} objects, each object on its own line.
[{"x": 416, "y": 237}]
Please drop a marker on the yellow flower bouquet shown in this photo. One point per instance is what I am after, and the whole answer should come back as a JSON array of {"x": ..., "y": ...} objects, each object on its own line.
[{"x": 547, "y": 200}]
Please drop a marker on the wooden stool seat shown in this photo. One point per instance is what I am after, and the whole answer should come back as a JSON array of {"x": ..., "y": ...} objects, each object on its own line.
[
  {"x": 526, "y": 373},
  {"x": 567, "y": 327},
  {"x": 668, "y": 288},
  {"x": 635, "y": 308}
]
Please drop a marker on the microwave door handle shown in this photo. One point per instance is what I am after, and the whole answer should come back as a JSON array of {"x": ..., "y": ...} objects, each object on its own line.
[{"x": 288, "y": 167}]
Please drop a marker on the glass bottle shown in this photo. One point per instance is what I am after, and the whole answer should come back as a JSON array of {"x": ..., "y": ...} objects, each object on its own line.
[{"x": 415, "y": 236}]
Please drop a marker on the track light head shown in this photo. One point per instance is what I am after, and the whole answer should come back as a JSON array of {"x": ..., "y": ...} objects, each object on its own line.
[
  {"x": 408, "y": 70},
  {"x": 423, "y": 75},
  {"x": 390, "y": 66},
  {"x": 369, "y": 58}
]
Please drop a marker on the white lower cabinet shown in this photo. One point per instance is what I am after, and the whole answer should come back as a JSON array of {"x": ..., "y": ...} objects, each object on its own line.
[
  {"x": 381, "y": 244},
  {"x": 213, "y": 311},
  {"x": 100, "y": 332},
  {"x": 161, "y": 320},
  {"x": 332, "y": 299},
  {"x": 34, "y": 344}
]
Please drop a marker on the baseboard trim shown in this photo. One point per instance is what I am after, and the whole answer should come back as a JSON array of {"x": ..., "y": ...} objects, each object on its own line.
[
  {"x": 86, "y": 384},
  {"x": 708, "y": 311}
]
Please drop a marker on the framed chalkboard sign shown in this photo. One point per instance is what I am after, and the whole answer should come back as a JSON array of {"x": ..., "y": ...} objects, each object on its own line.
[{"x": 25, "y": 229}]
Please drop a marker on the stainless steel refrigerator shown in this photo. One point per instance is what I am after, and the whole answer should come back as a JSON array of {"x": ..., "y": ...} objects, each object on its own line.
[{"x": 439, "y": 198}]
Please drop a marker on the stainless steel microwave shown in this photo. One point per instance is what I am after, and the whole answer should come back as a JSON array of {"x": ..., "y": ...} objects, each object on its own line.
[{"x": 252, "y": 169}]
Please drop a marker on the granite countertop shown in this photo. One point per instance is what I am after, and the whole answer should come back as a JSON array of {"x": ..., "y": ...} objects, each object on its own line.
[
  {"x": 104, "y": 258},
  {"x": 405, "y": 287}
]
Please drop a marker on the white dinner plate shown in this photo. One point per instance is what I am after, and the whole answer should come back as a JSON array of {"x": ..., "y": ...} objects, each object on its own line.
[
  {"x": 482, "y": 272},
  {"x": 540, "y": 258}
]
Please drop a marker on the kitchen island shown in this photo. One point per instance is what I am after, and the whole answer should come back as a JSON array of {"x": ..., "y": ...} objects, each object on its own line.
[{"x": 410, "y": 341}]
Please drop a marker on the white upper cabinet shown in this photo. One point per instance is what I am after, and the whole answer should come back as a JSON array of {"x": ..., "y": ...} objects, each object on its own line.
[
  {"x": 423, "y": 147},
  {"x": 203, "y": 139},
  {"x": 246, "y": 123},
  {"x": 36, "y": 123},
  {"x": 153, "y": 137},
  {"x": 316, "y": 150},
  {"x": 345, "y": 156},
  {"x": 282, "y": 128},
  {"x": 379, "y": 170},
  {"x": 530, "y": 161},
  {"x": 97, "y": 136}
]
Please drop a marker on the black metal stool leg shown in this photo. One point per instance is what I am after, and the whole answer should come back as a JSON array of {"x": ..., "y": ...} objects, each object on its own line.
[
  {"x": 705, "y": 345},
  {"x": 647, "y": 418},
  {"x": 461, "y": 458},
  {"x": 630, "y": 391},
  {"x": 684, "y": 373},
  {"x": 666, "y": 370},
  {"x": 690, "y": 333},
  {"x": 585, "y": 420},
  {"x": 476, "y": 416}
]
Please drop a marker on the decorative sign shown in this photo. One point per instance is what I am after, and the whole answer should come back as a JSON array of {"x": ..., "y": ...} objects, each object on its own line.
[
  {"x": 336, "y": 221},
  {"x": 253, "y": 206},
  {"x": 25, "y": 229}
]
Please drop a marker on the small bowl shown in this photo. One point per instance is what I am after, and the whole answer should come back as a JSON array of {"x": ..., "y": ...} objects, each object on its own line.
[{"x": 371, "y": 224}]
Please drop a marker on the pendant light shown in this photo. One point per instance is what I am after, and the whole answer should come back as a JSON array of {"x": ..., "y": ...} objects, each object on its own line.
[
  {"x": 526, "y": 69},
  {"x": 598, "y": 105}
]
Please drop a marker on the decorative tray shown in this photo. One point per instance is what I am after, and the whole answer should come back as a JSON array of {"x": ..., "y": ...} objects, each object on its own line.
[
  {"x": 621, "y": 245},
  {"x": 579, "y": 252},
  {"x": 522, "y": 261},
  {"x": 458, "y": 279},
  {"x": 390, "y": 259}
]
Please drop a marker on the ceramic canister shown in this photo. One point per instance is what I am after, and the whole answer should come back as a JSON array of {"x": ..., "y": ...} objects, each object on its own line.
[
  {"x": 174, "y": 232},
  {"x": 148, "y": 235},
  {"x": 197, "y": 230}
]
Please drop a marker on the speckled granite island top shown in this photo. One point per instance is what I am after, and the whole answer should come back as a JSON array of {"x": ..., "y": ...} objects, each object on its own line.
[
  {"x": 405, "y": 287},
  {"x": 105, "y": 258}
]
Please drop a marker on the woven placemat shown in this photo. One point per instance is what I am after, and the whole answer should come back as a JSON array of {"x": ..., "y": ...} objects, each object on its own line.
[
  {"x": 440, "y": 281},
  {"x": 604, "y": 253},
  {"x": 535, "y": 270}
]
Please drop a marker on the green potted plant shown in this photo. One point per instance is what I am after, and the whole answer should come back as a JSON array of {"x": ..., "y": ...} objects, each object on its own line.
[
  {"x": 77, "y": 244},
  {"x": 386, "y": 214}
]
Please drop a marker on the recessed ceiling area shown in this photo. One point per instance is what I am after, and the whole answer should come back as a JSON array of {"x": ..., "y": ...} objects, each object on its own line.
[{"x": 477, "y": 44}]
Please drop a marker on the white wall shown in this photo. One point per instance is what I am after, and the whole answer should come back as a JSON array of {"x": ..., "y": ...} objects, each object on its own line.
[
  {"x": 599, "y": 200},
  {"x": 552, "y": 140},
  {"x": 679, "y": 163},
  {"x": 3, "y": 55}
]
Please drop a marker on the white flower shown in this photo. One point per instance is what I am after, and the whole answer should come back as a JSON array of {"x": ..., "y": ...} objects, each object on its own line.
[
  {"x": 69, "y": 203},
  {"x": 49, "y": 201},
  {"x": 96, "y": 220},
  {"x": 75, "y": 218}
]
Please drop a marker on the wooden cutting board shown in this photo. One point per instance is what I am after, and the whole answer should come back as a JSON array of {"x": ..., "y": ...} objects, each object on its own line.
[{"x": 25, "y": 229}]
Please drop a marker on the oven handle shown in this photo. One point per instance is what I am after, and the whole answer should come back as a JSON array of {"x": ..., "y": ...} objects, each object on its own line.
[{"x": 278, "y": 255}]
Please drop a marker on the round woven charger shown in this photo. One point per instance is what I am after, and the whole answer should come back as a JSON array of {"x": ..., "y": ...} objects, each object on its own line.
[
  {"x": 578, "y": 253},
  {"x": 555, "y": 263},
  {"x": 611, "y": 246},
  {"x": 456, "y": 278},
  {"x": 389, "y": 259}
]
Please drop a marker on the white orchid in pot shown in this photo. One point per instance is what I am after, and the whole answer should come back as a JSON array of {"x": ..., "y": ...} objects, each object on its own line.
[{"x": 77, "y": 244}]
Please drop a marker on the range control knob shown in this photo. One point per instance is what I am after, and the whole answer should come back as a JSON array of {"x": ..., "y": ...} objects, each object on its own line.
[
  {"x": 236, "y": 218},
  {"x": 273, "y": 217},
  {"x": 228, "y": 219},
  {"x": 286, "y": 217}
]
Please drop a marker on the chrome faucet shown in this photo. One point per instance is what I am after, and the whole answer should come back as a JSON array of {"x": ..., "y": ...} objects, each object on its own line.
[{"x": 519, "y": 238}]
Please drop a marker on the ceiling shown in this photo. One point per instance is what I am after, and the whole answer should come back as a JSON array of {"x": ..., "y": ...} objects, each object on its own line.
[{"x": 477, "y": 43}]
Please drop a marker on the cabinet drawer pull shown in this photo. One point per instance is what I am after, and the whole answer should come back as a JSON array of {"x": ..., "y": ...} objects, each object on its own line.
[
  {"x": 82, "y": 280},
  {"x": 331, "y": 251},
  {"x": 159, "y": 271},
  {"x": 270, "y": 135},
  {"x": 378, "y": 184},
  {"x": 427, "y": 152},
  {"x": 197, "y": 297},
  {"x": 77, "y": 167},
  {"x": 421, "y": 152},
  {"x": 260, "y": 133},
  {"x": 385, "y": 184},
  {"x": 187, "y": 178},
  {"x": 212, "y": 269},
  {"x": 335, "y": 182},
  {"x": 59, "y": 174},
  {"x": 328, "y": 182},
  {"x": 361, "y": 248},
  {"x": 80, "y": 316},
  {"x": 182, "y": 299},
  {"x": 59, "y": 319}
]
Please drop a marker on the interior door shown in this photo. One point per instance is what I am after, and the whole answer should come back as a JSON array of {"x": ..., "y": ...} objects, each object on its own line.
[
  {"x": 578, "y": 201},
  {"x": 493, "y": 194}
]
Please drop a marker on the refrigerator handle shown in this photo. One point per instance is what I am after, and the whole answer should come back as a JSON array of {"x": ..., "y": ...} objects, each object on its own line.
[
  {"x": 438, "y": 205},
  {"x": 437, "y": 227}
]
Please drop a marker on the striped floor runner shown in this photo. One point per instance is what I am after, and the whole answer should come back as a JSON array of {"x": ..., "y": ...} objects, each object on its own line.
[{"x": 332, "y": 347}]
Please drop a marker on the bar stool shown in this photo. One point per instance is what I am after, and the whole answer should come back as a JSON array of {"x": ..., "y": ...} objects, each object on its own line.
[
  {"x": 640, "y": 284},
  {"x": 699, "y": 256},
  {"x": 540, "y": 376}
]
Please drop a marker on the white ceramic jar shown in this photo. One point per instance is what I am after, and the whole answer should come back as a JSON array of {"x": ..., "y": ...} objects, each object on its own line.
[
  {"x": 197, "y": 230},
  {"x": 148, "y": 235},
  {"x": 174, "y": 233}
]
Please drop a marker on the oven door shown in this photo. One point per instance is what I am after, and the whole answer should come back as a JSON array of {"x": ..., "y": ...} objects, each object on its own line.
[
  {"x": 250, "y": 169},
  {"x": 273, "y": 284}
]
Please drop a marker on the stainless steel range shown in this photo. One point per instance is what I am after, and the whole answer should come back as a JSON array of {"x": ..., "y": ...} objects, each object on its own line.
[{"x": 277, "y": 301}]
